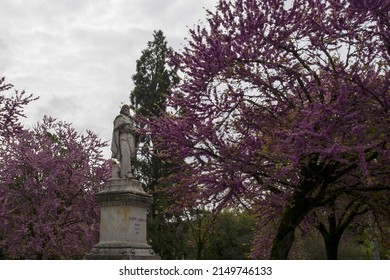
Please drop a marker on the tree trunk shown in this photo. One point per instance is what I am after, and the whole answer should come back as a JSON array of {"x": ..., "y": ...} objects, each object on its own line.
[
  {"x": 331, "y": 240},
  {"x": 302, "y": 202},
  {"x": 332, "y": 234},
  {"x": 290, "y": 220},
  {"x": 199, "y": 251},
  {"x": 285, "y": 235},
  {"x": 332, "y": 246},
  {"x": 282, "y": 242}
]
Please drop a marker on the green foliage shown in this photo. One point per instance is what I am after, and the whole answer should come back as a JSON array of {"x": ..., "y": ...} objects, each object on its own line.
[
  {"x": 168, "y": 236},
  {"x": 202, "y": 234},
  {"x": 152, "y": 83},
  {"x": 232, "y": 236},
  {"x": 153, "y": 78},
  {"x": 362, "y": 240},
  {"x": 202, "y": 225}
]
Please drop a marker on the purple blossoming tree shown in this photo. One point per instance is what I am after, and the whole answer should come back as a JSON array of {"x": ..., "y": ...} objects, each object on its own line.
[
  {"x": 283, "y": 108},
  {"x": 11, "y": 108},
  {"x": 48, "y": 176}
]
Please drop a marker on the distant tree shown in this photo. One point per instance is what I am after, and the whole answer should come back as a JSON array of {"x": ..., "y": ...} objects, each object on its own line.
[
  {"x": 335, "y": 220},
  {"x": 284, "y": 106},
  {"x": 153, "y": 78},
  {"x": 201, "y": 226},
  {"x": 231, "y": 236},
  {"x": 152, "y": 84},
  {"x": 11, "y": 109},
  {"x": 168, "y": 235},
  {"x": 48, "y": 179}
]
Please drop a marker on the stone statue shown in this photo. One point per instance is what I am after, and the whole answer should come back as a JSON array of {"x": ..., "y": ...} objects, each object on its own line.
[
  {"x": 123, "y": 201},
  {"x": 124, "y": 143}
]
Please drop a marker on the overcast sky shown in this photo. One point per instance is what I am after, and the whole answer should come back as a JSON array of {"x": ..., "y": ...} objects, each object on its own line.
[{"x": 78, "y": 56}]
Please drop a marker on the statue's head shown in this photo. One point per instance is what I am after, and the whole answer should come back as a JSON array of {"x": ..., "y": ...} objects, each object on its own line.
[{"x": 125, "y": 110}]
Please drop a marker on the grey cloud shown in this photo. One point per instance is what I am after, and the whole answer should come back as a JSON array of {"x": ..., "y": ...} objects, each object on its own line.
[{"x": 79, "y": 56}]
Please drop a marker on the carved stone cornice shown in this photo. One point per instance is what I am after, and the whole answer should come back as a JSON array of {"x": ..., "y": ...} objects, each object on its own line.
[
  {"x": 134, "y": 199},
  {"x": 120, "y": 192}
]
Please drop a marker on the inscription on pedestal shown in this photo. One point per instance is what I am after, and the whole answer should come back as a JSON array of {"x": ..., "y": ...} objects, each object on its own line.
[
  {"x": 137, "y": 228},
  {"x": 138, "y": 224}
]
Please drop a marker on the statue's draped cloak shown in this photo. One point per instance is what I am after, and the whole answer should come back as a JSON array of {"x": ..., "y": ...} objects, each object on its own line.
[{"x": 120, "y": 121}]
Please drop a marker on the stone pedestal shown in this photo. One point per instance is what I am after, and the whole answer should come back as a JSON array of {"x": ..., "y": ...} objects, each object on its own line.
[{"x": 123, "y": 222}]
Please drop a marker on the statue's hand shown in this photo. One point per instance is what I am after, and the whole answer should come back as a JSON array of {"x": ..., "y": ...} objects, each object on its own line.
[{"x": 129, "y": 128}]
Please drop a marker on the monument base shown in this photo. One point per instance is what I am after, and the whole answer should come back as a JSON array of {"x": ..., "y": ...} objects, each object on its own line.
[
  {"x": 123, "y": 222},
  {"x": 121, "y": 251}
]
